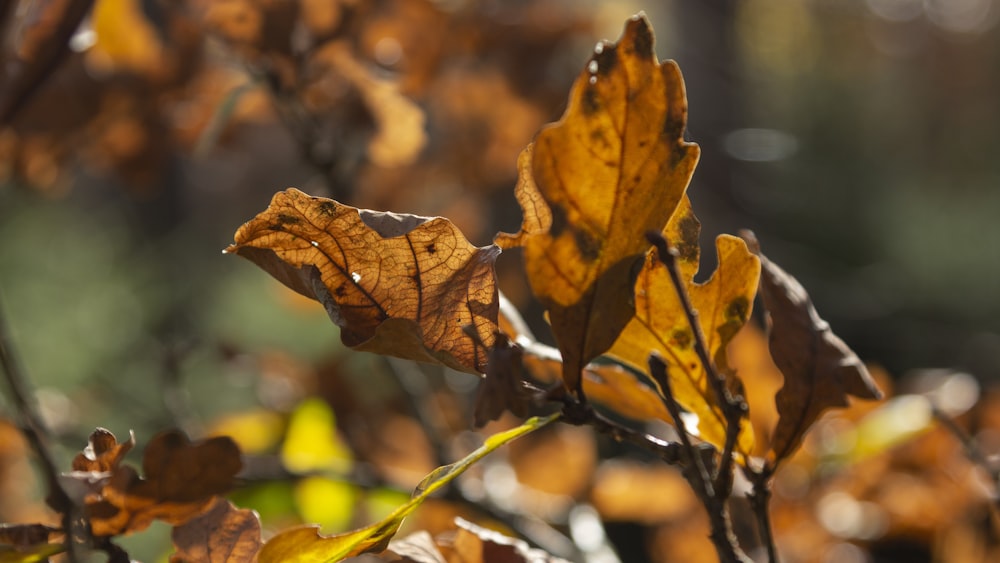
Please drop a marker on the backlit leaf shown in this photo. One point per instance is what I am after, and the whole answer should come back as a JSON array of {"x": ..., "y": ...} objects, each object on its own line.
[
  {"x": 660, "y": 324},
  {"x": 399, "y": 285},
  {"x": 306, "y": 545},
  {"x": 820, "y": 370},
  {"x": 612, "y": 168},
  {"x": 181, "y": 480},
  {"x": 223, "y": 534}
]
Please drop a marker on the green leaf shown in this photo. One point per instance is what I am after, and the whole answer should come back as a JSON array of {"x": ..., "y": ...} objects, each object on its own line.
[
  {"x": 306, "y": 545},
  {"x": 40, "y": 552}
]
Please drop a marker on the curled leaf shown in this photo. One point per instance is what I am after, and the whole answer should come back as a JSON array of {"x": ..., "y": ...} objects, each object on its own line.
[
  {"x": 103, "y": 451},
  {"x": 820, "y": 370},
  {"x": 612, "y": 168},
  {"x": 399, "y": 285},
  {"x": 181, "y": 480}
]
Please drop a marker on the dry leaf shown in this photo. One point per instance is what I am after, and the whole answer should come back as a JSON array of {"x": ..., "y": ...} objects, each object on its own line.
[
  {"x": 475, "y": 544},
  {"x": 103, "y": 451},
  {"x": 223, "y": 534},
  {"x": 614, "y": 167},
  {"x": 181, "y": 480},
  {"x": 820, "y": 370},
  {"x": 660, "y": 324},
  {"x": 399, "y": 285}
]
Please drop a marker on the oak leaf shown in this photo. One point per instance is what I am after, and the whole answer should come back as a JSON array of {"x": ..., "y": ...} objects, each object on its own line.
[
  {"x": 820, "y": 370},
  {"x": 660, "y": 324},
  {"x": 223, "y": 534},
  {"x": 399, "y": 285},
  {"x": 612, "y": 168},
  {"x": 181, "y": 480}
]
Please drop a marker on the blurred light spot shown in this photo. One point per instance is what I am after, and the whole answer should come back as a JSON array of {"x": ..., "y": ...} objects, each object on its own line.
[
  {"x": 844, "y": 516},
  {"x": 957, "y": 395},
  {"x": 896, "y": 10},
  {"x": 593, "y": 67},
  {"x": 846, "y": 553},
  {"x": 356, "y": 277},
  {"x": 760, "y": 145},
  {"x": 501, "y": 482},
  {"x": 325, "y": 502},
  {"x": 585, "y": 527},
  {"x": 83, "y": 39},
  {"x": 388, "y": 51},
  {"x": 950, "y": 392},
  {"x": 962, "y": 16},
  {"x": 311, "y": 442},
  {"x": 899, "y": 419},
  {"x": 57, "y": 410}
]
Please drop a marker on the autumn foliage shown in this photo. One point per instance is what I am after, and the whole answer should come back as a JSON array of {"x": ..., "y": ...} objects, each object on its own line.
[{"x": 611, "y": 252}]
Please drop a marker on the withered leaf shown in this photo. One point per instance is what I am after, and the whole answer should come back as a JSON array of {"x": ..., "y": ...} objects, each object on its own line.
[
  {"x": 25, "y": 535},
  {"x": 475, "y": 544},
  {"x": 820, "y": 370},
  {"x": 660, "y": 324},
  {"x": 612, "y": 168},
  {"x": 223, "y": 534},
  {"x": 103, "y": 451},
  {"x": 181, "y": 481},
  {"x": 399, "y": 285}
]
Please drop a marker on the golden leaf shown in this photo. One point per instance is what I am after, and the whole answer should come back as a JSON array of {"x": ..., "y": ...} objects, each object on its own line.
[
  {"x": 660, "y": 324},
  {"x": 399, "y": 285},
  {"x": 612, "y": 168}
]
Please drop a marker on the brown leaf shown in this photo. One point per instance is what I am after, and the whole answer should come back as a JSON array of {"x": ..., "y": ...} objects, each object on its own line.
[
  {"x": 103, "y": 451},
  {"x": 26, "y": 535},
  {"x": 399, "y": 285},
  {"x": 614, "y": 167},
  {"x": 503, "y": 388},
  {"x": 181, "y": 481},
  {"x": 223, "y": 534},
  {"x": 45, "y": 46},
  {"x": 475, "y": 544},
  {"x": 820, "y": 370}
]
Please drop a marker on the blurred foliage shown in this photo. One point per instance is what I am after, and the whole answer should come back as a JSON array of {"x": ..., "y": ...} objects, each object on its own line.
[{"x": 855, "y": 138}]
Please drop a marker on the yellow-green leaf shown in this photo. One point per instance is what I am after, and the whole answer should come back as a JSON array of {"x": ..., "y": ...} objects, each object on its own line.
[{"x": 307, "y": 545}]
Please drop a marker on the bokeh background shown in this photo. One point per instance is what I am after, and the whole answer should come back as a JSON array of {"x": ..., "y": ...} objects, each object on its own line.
[{"x": 857, "y": 138}]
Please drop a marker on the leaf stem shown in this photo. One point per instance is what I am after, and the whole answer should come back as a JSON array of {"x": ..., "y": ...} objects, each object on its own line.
[{"x": 74, "y": 520}]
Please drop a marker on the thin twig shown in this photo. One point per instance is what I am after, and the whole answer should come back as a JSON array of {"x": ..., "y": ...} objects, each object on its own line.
[
  {"x": 760, "y": 498},
  {"x": 698, "y": 474},
  {"x": 733, "y": 408},
  {"x": 74, "y": 522}
]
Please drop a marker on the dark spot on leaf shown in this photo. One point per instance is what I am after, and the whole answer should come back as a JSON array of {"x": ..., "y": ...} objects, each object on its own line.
[
  {"x": 559, "y": 220},
  {"x": 591, "y": 104},
  {"x": 738, "y": 309},
  {"x": 687, "y": 247},
  {"x": 589, "y": 245},
  {"x": 286, "y": 219},
  {"x": 642, "y": 37},
  {"x": 340, "y": 291},
  {"x": 673, "y": 128},
  {"x": 279, "y": 228},
  {"x": 681, "y": 338},
  {"x": 431, "y": 249},
  {"x": 327, "y": 207},
  {"x": 607, "y": 59}
]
